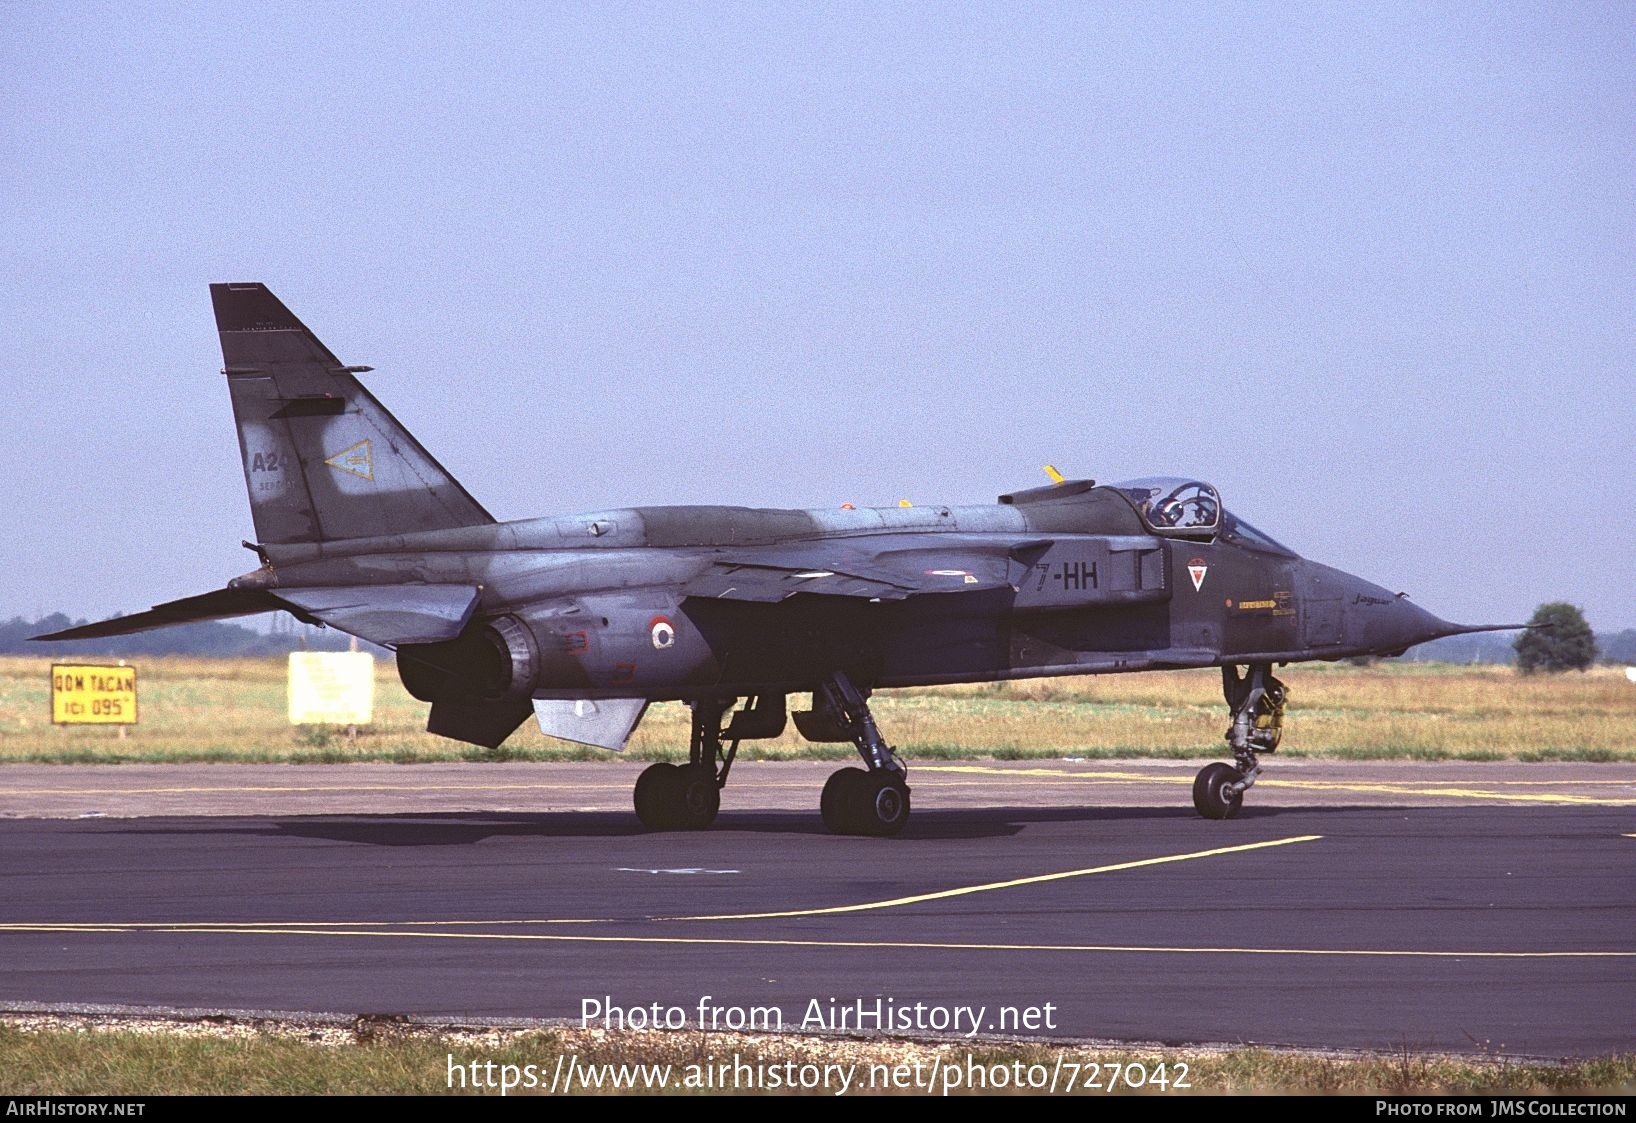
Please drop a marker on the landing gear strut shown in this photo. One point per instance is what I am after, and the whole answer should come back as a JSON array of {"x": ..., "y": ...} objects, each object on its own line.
[
  {"x": 1256, "y": 700},
  {"x": 868, "y": 801},
  {"x": 686, "y": 797}
]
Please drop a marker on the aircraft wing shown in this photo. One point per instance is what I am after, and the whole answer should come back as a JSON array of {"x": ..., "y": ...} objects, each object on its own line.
[
  {"x": 771, "y": 576},
  {"x": 385, "y": 614},
  {"x": 220, "y": 605}
]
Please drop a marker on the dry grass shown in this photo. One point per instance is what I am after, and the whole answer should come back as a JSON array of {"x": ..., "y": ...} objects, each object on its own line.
[
  {"x": 234, "y": 710},
  {"x": 385, "y": 1058}
]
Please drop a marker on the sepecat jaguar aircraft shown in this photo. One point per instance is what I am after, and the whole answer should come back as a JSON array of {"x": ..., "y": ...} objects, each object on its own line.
[{"x": 584, "y": 620}]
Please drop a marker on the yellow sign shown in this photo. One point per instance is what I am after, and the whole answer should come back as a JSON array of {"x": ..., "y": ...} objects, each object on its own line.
[
  {"x": 332, "y": 687},
  {"x": 92, "y": 695}
]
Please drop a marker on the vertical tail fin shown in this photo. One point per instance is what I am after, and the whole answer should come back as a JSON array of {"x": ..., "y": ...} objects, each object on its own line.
[{"x": 322, "y": 458}]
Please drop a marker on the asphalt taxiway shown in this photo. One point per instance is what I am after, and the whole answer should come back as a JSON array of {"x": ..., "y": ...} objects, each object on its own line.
[{"x": 1476, "y": 908}]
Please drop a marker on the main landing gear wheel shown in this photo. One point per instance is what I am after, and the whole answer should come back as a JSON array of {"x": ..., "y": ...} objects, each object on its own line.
[
  {"x": 883, "y": 804},
  {"x": 686, "y": 797},
  {"x": 672, "y": 798},
  {"x": 655, "y": 795},
  {"x": 698, "y": 796},
  {"x": 835, "y": 805},
  {"x": 868, "y": 803},
  {"x": 1213, "y": 792}
]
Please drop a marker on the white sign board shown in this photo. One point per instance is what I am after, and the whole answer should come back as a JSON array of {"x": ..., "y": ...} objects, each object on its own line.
[
  {"x": 1630, "y": 673},
  {"x": 332, "y": 687}
]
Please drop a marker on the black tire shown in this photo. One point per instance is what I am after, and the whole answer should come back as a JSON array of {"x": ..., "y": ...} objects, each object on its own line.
[
  {"x": 837, "y": 804},
  {"x": 696, "y": 795},
  {"x": 880, "y": 804},
  {"x": 656, "y": 796},
  {"x": 1210, "y": 792}
]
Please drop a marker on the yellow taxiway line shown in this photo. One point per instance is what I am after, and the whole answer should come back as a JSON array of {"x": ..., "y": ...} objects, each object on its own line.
[
  {"x": 421, "y": 929},
  {"x": 1388, "y": 787},
  {"x": 874, "y": 945},
  {"x": 1037, "y": 879},
  {"x": 961, "y": 891}
]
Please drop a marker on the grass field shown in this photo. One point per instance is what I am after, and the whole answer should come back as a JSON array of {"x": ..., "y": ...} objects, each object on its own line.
[
  {"x": 234, "y": 710},
  {"x": 385, "y": 1059}
]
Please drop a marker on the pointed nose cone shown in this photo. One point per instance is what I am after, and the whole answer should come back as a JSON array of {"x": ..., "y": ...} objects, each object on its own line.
[
  {"x": 1392, "y": 624},
  {"x": 1379, "y": 622}
]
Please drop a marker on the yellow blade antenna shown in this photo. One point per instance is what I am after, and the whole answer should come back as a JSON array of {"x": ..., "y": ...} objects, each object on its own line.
[{"x": 1051, "y": 470}]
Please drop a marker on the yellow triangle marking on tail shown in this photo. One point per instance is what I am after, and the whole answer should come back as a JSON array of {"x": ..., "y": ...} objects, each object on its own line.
[{"x": 359, "y": 460}]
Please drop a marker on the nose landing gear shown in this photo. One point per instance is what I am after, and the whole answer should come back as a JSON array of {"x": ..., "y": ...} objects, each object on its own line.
[{"x": 1256, "y": 700}]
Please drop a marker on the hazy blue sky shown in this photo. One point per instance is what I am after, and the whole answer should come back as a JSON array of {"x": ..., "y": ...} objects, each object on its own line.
[{"x": 1369, "y": 268}]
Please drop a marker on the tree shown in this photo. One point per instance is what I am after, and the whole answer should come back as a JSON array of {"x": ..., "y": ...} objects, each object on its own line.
[{"x": 1558, "y": 639}]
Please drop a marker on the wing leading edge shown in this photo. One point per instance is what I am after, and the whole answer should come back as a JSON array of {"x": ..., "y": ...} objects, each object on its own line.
[
  {"x": 223, "y": 604},
  {"x": 385, "y": 614}
]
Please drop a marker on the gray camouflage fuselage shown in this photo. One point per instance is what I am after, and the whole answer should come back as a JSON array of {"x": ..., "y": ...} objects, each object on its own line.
[{"x": 1099, "y": 594}]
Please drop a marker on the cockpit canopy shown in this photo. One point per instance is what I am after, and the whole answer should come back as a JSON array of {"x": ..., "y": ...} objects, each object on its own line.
[
  {"x": 1181, "y": 508},
  {"x": 1175, "y": 507}
]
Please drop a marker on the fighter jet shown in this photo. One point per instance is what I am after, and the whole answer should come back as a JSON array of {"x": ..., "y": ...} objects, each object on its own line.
[{"x": 583, "y": 621}]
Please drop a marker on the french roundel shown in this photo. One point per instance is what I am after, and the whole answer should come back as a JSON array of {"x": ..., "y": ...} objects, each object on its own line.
[{"x": 662, "y": 632}]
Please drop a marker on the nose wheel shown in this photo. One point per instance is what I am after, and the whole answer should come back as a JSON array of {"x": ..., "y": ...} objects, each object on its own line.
[
  {"x": 1214, "y": 792},
  {"x": 1256, "y": 700}
]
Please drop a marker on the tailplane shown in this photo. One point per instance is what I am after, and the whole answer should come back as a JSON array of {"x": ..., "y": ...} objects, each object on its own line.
[{"x": 322, "y": 458}]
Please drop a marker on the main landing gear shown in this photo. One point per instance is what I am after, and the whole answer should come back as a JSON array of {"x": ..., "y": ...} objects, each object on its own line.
[
  {"x": 1256, "y": 700},
  {"x": 873, "y": 800},
  {"x": 686, "y": 797}
]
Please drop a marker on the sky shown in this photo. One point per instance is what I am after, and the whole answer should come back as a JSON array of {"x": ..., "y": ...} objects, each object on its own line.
[{"x": 1370, "y": 269}]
